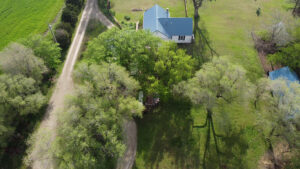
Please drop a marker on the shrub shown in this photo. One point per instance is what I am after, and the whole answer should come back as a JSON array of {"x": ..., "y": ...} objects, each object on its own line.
[
  {"x": 66, "y": 26},
  {"x": 69, "y": 16},
  {"x": 63, "y": 38},
  {"x": 265, "y": 36},
  {"x": 73, "y": 8},
  {"x": 78, "y": 3},
  {"x": 127, "y": 18}
]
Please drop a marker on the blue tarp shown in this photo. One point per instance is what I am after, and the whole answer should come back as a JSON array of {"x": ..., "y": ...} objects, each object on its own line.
[{"x": 285, "y": 73}]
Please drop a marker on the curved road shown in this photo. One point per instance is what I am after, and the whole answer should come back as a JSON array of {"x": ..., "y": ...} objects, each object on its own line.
[{"x": 64, "y": 86}]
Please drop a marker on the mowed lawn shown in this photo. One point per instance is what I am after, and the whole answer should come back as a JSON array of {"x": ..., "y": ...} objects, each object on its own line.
[
  {"x": 20, "y": 18},
  {"x": 166, "y": 138}
]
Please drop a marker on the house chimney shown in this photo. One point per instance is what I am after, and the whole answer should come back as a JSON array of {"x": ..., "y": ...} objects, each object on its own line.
[{"x": 168, "y": 14}]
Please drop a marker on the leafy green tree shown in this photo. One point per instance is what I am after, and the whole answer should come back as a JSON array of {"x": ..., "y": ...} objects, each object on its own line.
[
  {"x": 69, "y": 16},
  {"x": 278, "y": 116},
  {"x": 289, "y": 56},
  {"x": 19, "y": 60},
  {"x": 19, "y": 96},
  {"x": 65, "y": 26},
  {"x": 78, "y": 3},
  {"x": 63, "y": 38},
  {"x": 216, "y": 83},
  {"x": 89, "y": 132},
  {"x": 155, "y": 64},
  {"x": 45, "y": 49}
]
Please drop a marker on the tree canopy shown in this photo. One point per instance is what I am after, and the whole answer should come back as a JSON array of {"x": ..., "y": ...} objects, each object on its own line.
[
  {"x": 289, "y": 56},
  {"x": 89, "y": 133},
  {"x": 44, "y": 48},
  {"x": 19, "y": 60},
  {"x": 157, "y": 65},
  {"x": 19, "y": 96},
  {"x": 218, "y": 79}
]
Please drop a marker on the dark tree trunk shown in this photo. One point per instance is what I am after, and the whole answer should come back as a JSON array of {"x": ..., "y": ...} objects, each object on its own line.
[
  {"x": 197, "y": 4},
  {"x": 186, "y": 14},
  {"x": 196, "y": 12},
  {"x": 296, "y": 7},
  {"x": 271, "y": 150}
]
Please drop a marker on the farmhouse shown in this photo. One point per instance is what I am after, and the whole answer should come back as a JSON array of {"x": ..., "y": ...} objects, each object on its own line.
[{"x": 159, "y": 22}]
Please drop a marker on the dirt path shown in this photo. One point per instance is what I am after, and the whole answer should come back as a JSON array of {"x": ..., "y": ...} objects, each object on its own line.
[
  {"x": 130, "y": 132},
  {"x": 64, "y": 86},
  {"x": 41, "y": 159}
]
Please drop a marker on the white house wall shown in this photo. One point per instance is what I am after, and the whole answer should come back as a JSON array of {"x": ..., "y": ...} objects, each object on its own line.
[
  {"x": 164, "y": 37},
  {"x": 188, "y": 39}
]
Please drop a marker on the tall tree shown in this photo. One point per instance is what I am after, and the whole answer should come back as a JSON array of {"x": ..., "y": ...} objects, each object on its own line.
[
  {"x": 19, "y": 60},
  {"x": 155, "y": 64},
  {"x": 216, "y": 82},
  {"x": 197, "y": 4},
  {"x": 44, "y": 48},
  {"x": 19, "y": 96},
  {"x": 278, "y": 116},
  {"x": 89, "y": 132}
]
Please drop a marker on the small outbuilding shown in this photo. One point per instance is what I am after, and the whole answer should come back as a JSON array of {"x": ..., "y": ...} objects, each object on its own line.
[
  {"x": 159, "y": 22},
  {"x": 285, "y": 73}
]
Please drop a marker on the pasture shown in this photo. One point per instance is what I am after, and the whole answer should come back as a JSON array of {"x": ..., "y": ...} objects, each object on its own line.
[
  {"x": 166, "y": 138},
  {"x": 20, "y": 18}
]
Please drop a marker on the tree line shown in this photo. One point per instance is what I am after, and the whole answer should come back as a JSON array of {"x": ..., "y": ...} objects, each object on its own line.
[
  {"x": 69, "y": 18},
  {"x": 26, "y": 68},
  {"x": 119, "y": 63}
]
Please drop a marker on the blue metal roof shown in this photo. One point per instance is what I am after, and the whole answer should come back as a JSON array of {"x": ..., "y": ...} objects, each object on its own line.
[
  {"x": 158, "y": 19},
  {"x": 285, "y": 73}
]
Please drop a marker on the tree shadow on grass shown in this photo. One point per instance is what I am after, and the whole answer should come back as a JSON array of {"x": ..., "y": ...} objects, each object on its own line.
[
  {"x": 165, "y": 138},
  {"x": 201, "y": 48}
]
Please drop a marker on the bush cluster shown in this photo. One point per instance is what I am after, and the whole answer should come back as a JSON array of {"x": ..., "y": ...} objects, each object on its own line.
[
  {"x": 105, "y": 6},
  {"x": 69, "y": 18}
]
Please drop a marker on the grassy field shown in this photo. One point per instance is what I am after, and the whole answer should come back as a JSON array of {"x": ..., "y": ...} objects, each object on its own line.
[
  {"x": 20, "y": 18},
  {"x": 227, "y": 24},
  {"x": 166, "y": 138}
]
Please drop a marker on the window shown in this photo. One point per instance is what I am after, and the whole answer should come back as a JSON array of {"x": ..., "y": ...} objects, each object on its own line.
[{"x": 181, "y": 37}]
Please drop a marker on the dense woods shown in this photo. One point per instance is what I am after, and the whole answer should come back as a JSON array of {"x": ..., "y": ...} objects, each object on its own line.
[
  {"x": 24, "y": 69},
  {"x": 157, "y": 65}
]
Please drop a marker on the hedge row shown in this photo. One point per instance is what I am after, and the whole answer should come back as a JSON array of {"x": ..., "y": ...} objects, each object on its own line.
[{"x": 69, "y": 18}]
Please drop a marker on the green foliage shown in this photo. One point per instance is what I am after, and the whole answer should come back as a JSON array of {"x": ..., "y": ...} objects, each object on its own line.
[
  {"x": 69, "y": 16},
  {"x": 265, "y": 36},
  {"x": 73, "y": 8},
  {"x": 77, "y": 3},
  {"x": 127, "y": 18},
  {"x": 280, "y": 113},
  {"x": 288, "y": 56},
  {"x": 94, "y": 28},
  {"x": 19, "y": 60},
  {"x": 218, "y": 79},
  {"x": 45, "y": 49},
  {"x": 105, "y": 6},
  {"x": 65, "y": 26},
  {"x": 19, "y": 96},
  {"x": 156, "y": 65},
  {"x": 63, "y": 38},
  {"x": 89, "y": 132}
]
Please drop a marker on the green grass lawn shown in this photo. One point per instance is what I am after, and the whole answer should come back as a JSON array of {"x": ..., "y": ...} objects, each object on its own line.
[
  {"x": 165, "y": 138},
  {"x": 20, "y": 18},
  {"x": 122, "y": 9}
]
